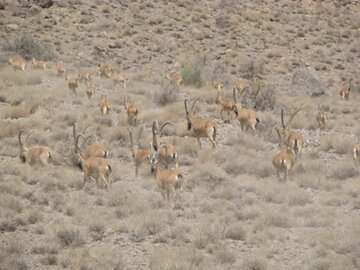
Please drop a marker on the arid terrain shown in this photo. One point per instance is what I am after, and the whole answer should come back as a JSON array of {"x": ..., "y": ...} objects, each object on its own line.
[{"x": 233, "y": 212}]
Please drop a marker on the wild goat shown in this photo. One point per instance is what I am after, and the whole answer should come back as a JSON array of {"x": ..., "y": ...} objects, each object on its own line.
[
  {"x": 291, "y": 139},
  {"x": 139, "y": 155},
  {"x": 227, "y": 104},
  {"x": 84, "y": 76},
  {"x": 356, "y": 152},
  {"x": 200, "y": 127},
  {"x": 168, "y": 154},
  {"x": 248, "y": 119},
  {"x": 217, "y": 85},
  {"x": 175, "y": 79},
  {"x": 285, "y": 160},
  {"x": 104, "y": 105},
  {"x": 73, "y": 83},
  {"x": 17, "y": 63},
  {"x": 321, "y": 118},
  {"x": 118, "y": 78},
  {"x": 39, "y": 64},
  {"x": 105, "y": 70},
  {"x": 132, "y": 111},
  {"x": 345, "y": 91},
  {"x": 241, "y": 84},
  {"x": 96, "y": 167},
  {"x": 61, "y": 69},
  {"x": 92, "y": 150},
  {"x": 36, "y": 154},
  {"x": 168, "y": 180},
  {"x": 90, "y": 90}
]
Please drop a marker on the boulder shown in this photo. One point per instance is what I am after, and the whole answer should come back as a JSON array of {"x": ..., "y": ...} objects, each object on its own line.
[
  {"x": 306, "y": 81},
  {"x": 12, "y": 27}
]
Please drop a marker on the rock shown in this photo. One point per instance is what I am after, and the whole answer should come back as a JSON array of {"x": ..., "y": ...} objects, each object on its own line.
[
  {"x": 306, "y": 81},
  {"x": 46, "y": 3},
  {"x": 2, "y": 5},
  {"x": 12, "y": 27}
]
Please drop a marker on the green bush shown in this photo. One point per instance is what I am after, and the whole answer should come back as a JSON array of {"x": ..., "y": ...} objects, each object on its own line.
[
  {"x": 28, "y": 47},
  {"x": 191, "y": 72}
]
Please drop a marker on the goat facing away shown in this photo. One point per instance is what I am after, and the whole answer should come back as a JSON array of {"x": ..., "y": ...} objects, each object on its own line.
[
  {"x": 36, "y": 154},
  {"x": 285, "y": 160},
  {"x": 167, "y": 180},
  {"x": 200, "y": 127}
]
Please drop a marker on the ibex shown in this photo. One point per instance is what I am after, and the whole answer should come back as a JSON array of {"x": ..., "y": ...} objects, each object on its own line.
[
  {"x": 139, "y": 155},
  {"x": 73, "y": 83},
  {"x": 118, "y": 78},
  {"x": 168, "y": 180},
  {"x": 96, "y": 167},
  {"x": 200, "y": 127},
  {"x": 168, "y": 154},
  {"x": 285, "y": 160},
  {"x": 175, "y": 79},
  {"x": 61, "y": 69},
  {"x": 248, "y": 119},
  {"x": 17, "y": 63},
  {"x": 321, "y": 118},
  {"x": 90, "y": 90},
  {"x": 104, "y": 105},
  {"x": 217, "y": 85},
  {"x": 227, "y": 104},
  {"x": 291, "y": 139},
  {"x": 105, "y": 70},
  {"x": 92, "y": 150},
  {"x": 356, "y": 152},
  {"x": 345, "y": 91},
  {"x": 36, "y": 154},
  {"x": 84, "y": 76},
  {"x": 131, "y": 110},
  {"x": 39, "y": 64}
]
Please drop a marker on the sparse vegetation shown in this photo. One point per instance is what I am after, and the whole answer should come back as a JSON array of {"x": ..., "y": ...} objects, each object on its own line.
[
  {"x": 191, "y": 71},
  {"x": 29, "y": 47}
]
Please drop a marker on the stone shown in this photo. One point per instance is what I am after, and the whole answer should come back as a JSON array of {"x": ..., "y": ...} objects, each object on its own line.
[
  {"x": 306, "y": 81},
  {"x": 12, "y": 27}
]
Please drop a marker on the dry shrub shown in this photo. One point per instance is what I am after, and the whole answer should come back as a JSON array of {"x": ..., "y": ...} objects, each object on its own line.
[
  {"x": 70, "y": 237},
  {"x": 16, "y": 112},
  {"x": 217, "y": 72},
  {"x": 225, "y": 256},
  {"x": 168, "y": 94},
  {"x": 97, "y": 231},
  {"x": 29, "y": 47},
  {"x": 254, "y": 264},
  {"x": 277, "y": 219},
  {"x": 343, "y": 170},
  {"x": 236, "y": 232},
  {"x": 208, "y": 174}
]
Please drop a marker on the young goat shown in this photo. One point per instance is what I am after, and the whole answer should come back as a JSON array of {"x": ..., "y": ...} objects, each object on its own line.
[
  {"x": 168, "y": 180},
  {"x": 227, "y": 104},
  {"x": 36, "y": 154},
  {"x": 139, "y": 155},
  {"x": 73, "y": 83},
  {"x": 90, "y": 90},
  {"x": 104, "y": 105},
  {"x": 39, "y": 64},
  {"x": 175, "y": 79},
  {"x": 345, "y": 92},
  {"x": 105, "y": 70},
  {"x": 200, "y": 127},
  {"x": 61, "y": 69},
  {"x": 118, "y": 78},
  {"x": 17, "y": 63},
  {"x": 321, "y": 118},
  {"x": 169, "y": 154},
  {"x": 132, "y": 111}
]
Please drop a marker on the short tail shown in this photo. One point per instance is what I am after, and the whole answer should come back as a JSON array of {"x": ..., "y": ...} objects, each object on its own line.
[
  {"x": 258, "y": 120},
  {"x": 214, "y": 135},
  {"x": 179, "y": 181},
  {"x": 109, "y": 168}
]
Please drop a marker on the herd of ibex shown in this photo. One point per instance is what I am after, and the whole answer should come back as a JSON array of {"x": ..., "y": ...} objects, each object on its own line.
[{"x": 93, "y": 158}]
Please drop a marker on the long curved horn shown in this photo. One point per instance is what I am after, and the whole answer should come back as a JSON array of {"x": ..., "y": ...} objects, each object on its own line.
[
  {"x": 193, "y": 105},
  {"x": 186, "y": 109},
  {"x": 77, "y": 142},
  {"x": 282, "y": 118},
  {"x": 155, "y": 127},
  {"x": 292, "y": 117},
  {"x": 20, "y": 142},
  {"x": 163, "y": 146},
  {"x": 87, "y": 138},
  {"x": 131, "y": 137},
  {"x": 165, "y": 124},
  {"x": 234, "y": 95},
  {"x": 280, "y": 137},
  {"x": 89, "y": 125}
]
